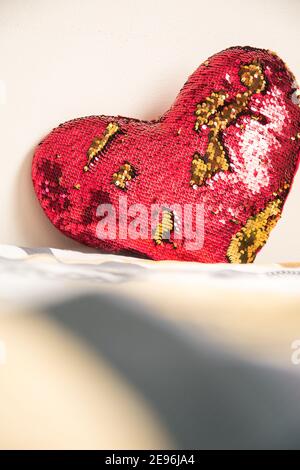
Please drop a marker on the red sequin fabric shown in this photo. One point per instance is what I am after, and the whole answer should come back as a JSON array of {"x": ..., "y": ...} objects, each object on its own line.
[{"x": 229, "y": 145}]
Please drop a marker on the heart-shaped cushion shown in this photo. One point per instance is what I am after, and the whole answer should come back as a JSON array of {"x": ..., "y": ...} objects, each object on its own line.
[{"x": 206, "y": 182}]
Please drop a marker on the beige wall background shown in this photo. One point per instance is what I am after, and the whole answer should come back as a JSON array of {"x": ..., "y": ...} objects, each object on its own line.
[{"x": 61, "y": 59}]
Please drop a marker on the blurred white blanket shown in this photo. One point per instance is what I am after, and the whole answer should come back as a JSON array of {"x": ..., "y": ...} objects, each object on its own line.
[{"x": 213, "y": 349}]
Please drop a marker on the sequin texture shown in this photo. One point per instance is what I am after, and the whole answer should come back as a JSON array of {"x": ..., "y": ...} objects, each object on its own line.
[
  {"x": 252, "y": 237},
  {"x": 99, "y": 144},
  {"x": 164, "y": 228},
  {"x": 230, "y": 142},
  {"x": 217, "y": 120},
  {"x": 125, "y": 174}
]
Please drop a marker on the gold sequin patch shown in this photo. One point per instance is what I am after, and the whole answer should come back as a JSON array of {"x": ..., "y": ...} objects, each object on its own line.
[
  {"x": 99, "y": 143},
  {"x": 246, "y": 243},
  {"x": 214, "y": 114},
  {"x": 164, "y": 228},
  {"x": 124, "y": 175},
  {"x": 209, "y": 107}
]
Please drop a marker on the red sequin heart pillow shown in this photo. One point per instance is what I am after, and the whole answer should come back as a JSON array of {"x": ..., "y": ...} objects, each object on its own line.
[{"x": 206, "y": 182}]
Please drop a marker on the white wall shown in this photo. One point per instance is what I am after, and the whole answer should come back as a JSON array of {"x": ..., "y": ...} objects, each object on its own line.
[{"x": 61, "y": 59}]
